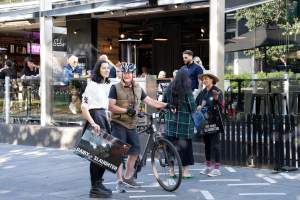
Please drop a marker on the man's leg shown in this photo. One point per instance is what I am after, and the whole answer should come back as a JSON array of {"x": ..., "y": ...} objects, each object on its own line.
[
  {"x": 120, "y": 173},
  {"x": 130, "y": 166},
  {"x": 133, "y": 153},
  {"x": 119, "y": 132}
]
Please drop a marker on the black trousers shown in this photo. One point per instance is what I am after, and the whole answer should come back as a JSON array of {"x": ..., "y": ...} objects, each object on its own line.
[
  {"x": 212, "y": 146},
  {"x": 185, "y": 150},
  {"x": 99, "y": 116}
]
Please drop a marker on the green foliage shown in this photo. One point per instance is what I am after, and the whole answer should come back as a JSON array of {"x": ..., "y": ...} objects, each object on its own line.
[
  {"x": 259, "y": 75},
  {"x": 279, "y": 12},
  {"x": 267, "y": 13}
]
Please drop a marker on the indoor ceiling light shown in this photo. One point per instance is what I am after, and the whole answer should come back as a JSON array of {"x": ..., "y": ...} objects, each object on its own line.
[
  {"x": 161, "y": 39},
  {"x": 15, "y": 23},
  {"x": 129, "y": 40},
  {"x": 122, "y": 36}
]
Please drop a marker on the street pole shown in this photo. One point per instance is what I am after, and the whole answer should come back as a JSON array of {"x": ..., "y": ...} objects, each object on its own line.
[
  {"x": 216, "y": 39},
  {"x": 7, "y": 99},
  {"x": 46, "y": 58}
]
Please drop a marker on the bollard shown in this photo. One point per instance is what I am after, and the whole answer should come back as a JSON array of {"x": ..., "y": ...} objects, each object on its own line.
[
  {"x": 287, "y": 92},
  {"x": 7, "y": 99}
]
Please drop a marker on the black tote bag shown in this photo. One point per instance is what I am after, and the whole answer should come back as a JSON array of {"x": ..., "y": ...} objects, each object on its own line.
[{"x": 102, "y": 149}]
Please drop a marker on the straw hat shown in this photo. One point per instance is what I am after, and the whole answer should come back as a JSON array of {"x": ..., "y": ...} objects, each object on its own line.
[{"x": 210, "y": 75}]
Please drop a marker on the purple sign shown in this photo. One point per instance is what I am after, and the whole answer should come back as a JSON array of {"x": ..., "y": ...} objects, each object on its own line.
[{"x": 35, "y": 48}]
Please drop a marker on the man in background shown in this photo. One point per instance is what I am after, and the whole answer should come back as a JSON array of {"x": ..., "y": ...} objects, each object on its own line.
[{"x": 193, "y": 69}]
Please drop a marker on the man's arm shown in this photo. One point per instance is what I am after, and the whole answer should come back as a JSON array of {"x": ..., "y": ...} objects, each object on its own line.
[
  {"x": 156, "y": 104},
  {"x": 114, "y": 108}
]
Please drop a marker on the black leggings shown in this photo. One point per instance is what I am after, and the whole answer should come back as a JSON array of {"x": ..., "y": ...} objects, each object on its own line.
[
  {"x": 99, "y": 116},
  {"x": 96, "y": 172},
  {"x": 212, "y": 145}
]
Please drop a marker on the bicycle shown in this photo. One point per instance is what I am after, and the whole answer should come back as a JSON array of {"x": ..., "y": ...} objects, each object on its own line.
[{"x": 163, "y": 155}]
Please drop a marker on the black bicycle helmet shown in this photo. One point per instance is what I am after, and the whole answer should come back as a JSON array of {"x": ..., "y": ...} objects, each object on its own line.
[{"x": 128, "y": 67}]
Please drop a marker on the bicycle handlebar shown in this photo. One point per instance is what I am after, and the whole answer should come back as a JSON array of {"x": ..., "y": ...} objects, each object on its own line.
[{"x": 153, "y": 115}]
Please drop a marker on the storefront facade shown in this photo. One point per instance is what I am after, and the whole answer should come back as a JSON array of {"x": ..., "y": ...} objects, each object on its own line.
[{"x": 91, "y": 29}]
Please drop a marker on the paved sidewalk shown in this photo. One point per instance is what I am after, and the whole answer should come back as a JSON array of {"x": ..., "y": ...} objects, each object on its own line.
[{"x": 32, "y": 173}]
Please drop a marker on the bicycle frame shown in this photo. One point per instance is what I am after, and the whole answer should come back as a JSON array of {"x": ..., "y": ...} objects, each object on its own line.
[{"x": 151, "y": 131}]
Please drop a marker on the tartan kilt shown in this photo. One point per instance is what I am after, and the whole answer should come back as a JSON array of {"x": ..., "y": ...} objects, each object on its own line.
[{"x": 179, "y": 125}]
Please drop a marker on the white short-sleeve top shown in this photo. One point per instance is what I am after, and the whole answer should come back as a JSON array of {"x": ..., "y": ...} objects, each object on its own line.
[{"x": 96, "y": 95}]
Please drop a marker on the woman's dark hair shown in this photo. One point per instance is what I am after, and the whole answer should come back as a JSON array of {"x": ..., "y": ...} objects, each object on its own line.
[
  {"x": 9, "y": 63},
  {"x": 27, "y": 59},
  {"x": 96, "y": 76},
  {"x": 180, "y": 87}
]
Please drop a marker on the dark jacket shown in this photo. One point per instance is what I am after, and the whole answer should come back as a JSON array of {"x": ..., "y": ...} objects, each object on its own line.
[
  {"x": 214, "y": 107},
  {"x": 194, "y": 70},
  {"x": 207, "y": 96}
]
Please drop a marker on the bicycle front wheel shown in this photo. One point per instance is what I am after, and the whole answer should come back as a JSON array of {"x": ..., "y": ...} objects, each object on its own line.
[{"x": 166, "y": 165}]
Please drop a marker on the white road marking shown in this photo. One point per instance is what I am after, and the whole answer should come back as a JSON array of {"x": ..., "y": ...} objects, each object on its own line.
[
  {"x": 130, "y": 191},
  {"x": 230, "y": 169},
  {"x": 149, "y": 186},
  {"x": 207, "y": 195},
  {"x": 110, "y": 183},
  {"x": 115, "y": 182},
  {"x": 4, "y": 191},
  {"x": 220, "y": 180},
  {"x": 152, "y": 196},
  {"x": 262, "y": 194},
  {"x": 151, "y": 174},
  {"x": 135, "y": 191},
  {"x": 287, "y": 176},
  {"x": 248, "y": 184},
  {"x": 270, "y": 180}
]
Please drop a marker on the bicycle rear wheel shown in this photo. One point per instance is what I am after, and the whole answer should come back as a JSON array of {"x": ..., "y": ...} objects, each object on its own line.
[{"x": 166, "y": 165}]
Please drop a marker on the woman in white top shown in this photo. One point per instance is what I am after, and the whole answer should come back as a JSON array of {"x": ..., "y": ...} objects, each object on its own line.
[{"x": 94, "y": 106}]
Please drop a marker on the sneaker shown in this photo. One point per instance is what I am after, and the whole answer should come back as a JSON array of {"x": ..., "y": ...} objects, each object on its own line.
[
  {"x": 206, "y": 171},
  {"x": 99, "y": 191},
  {"x": 131, "y": 183},
  {"x": 214, "y": 172},
  {"x": 120, "y": 187}
]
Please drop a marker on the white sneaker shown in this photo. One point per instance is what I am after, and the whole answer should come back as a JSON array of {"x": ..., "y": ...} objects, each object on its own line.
[
  {"x": 206, "y": 170},
  {"x": 214, "y": 172},
  {"x": 120, "y": 187}
]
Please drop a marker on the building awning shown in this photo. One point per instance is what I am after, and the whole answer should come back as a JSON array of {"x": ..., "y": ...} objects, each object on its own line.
[
  {"x": 233, "y": 5},
  {"x": 101, "y": 6},
  {"x": 172, "y": 2},
  {"x": 65, "y": 8}
]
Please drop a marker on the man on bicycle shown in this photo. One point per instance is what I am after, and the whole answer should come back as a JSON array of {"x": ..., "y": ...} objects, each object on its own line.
[{"x": 124, "y": 101}]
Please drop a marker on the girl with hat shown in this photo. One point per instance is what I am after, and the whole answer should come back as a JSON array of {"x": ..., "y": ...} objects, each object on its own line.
[{"x": 211, "y": 98}]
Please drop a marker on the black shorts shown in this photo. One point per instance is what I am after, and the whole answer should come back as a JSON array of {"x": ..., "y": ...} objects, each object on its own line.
[{"x": 129, "y": 136}]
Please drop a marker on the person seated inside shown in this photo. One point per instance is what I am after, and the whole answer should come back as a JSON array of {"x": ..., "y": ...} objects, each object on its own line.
[
  {"x": 71, "y": 69},
  {"x": 296, "y": 64},
  {"x": 8, "y": 70},
  {"x": 162, "y": 75},
  {"x": 30, "y": 69},
  {"x": 145, "y": 72},
  {"x": 118, "y": 71},
  {"x": 162, "y": 84}
]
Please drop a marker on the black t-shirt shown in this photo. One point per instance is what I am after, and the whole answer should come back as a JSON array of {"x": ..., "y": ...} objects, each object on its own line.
[
  {"x": 27, "y": 72},
  {"x": 8, "y": 72},
  {"x": 113, "y": 93}
]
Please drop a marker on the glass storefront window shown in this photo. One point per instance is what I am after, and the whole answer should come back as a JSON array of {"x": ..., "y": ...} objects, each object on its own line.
[{"x": 263, "y": 38}]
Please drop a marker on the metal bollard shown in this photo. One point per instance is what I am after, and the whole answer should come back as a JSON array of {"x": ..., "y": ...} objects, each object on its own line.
[
  {"x": 7, "y": 99},
  {"x": 287, "y": 92}
]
